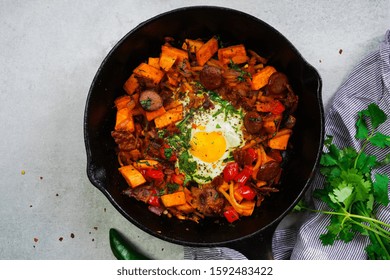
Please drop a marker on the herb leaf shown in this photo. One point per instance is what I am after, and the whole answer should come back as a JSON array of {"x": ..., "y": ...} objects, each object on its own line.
[{"x": 350, "y": 190}]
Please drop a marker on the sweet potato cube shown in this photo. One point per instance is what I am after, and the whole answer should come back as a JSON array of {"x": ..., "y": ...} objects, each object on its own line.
[
  {"x": 149, "y": 72},
  {"x": 236, "y": 54},
  {"x": 260, "y": 78},
  {"x": 173, "y": 199},
  {"x": 154, "y": 61},
  {"x": 192, "y": 45},
  {"x": 131, "y": 85},
  {"x": 279, "y": 142},
  {"x": 170, "y": 116},
  {"x": 124, "y": 120},
  {"x": 169, "y": 55},
  {"x": 185, "y": 208},
  {"x": 154, "y": 114},
  {"x": 132, "y": 176},
  {"x": 146, "y": 164},
  {"x": 207, "y": 51},
  {"x": 122, "y": 101}
]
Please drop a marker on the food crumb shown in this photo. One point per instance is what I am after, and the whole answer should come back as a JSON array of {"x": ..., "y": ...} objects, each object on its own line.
[
  {"x": 340, "y": 51},
  {"x": 61, "y": 238},
  {"x": 36, "y": 239},
  {"x": 22, "y": 172},
  {"x": 72, "y": 235},
  {"x": 95, "y": 228}
]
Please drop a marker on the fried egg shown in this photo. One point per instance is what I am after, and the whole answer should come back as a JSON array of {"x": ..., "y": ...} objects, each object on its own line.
[{"x": 214, "y": 135}]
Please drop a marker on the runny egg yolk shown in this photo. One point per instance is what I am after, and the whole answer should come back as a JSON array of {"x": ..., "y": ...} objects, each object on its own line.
[{"x": 208, "y": 146}]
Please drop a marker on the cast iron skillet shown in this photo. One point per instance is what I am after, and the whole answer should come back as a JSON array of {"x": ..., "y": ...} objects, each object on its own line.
[{"x": 251, "y": 236}]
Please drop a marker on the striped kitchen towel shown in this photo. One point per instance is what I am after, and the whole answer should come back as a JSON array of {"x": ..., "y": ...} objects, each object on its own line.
[{"x": 369, "y": 82}]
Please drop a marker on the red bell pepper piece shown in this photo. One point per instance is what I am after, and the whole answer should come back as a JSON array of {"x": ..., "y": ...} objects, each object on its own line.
[
  {"x": 246, "y": 192},
  {"x": 243, "y": 176},
  {"x": 154, "y": 200},
  {"x": 251, "y": 155},
  {"x": 231, "y": 214},
  {"x": 277, "y": 107},
  {"x": 230, "y": 171},
  {"x": 155, "y": 174}
]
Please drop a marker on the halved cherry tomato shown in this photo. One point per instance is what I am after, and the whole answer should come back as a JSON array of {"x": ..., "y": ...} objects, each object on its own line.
[
  {"x": 243, "y": 176},
  {"x": 246, "y": 192},
  {"x": 155, "y": 174},
  {"x": 230, "y": 171},
  {"x": 231, "y": 214},
  {"x": 154, "y": 200}
]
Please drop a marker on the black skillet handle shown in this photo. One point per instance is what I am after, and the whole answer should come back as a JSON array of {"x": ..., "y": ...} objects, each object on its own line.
[{"x": 257, "y": 246}]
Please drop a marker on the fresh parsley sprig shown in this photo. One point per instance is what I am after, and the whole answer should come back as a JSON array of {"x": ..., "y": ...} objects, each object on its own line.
[{"x": 352, "y": 191}]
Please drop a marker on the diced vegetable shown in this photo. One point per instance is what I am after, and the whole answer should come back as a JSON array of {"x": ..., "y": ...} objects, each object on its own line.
[
  {"x": 121, "y": 102},
  {"x": 246, "y": 192},
  {"x": 260, "y": 78},
  {"x": 275, "y": 107},
  {"x": 149, "y": 72},
  {"x": 124, "y": 120},
  {"x": 207, "y": 51},
  {"x": 146, "y": 163},
  {"x": 230, "y": 171},
  {"x": 186, "y": 208},
  {"x": 154, "y": 61},
  {"x": 243, "y": 176},
  {"x": 231, "y": 214},
  {"x": 154, "y": 114},
  {"x": 132, "y": 176},
  {"x": 154, "y": 200},
  {"x": 169, "y": 55},
  {"x": 235, "y": 54},
  {"x": 279, "y": 142},
  {"x": 131, "y": 85},
  {"x": 154, "y": 174},
  {"x": 192, "y": 45},
  {"x": 173, "y": 199},
  {"x": 171, "y": 116}
]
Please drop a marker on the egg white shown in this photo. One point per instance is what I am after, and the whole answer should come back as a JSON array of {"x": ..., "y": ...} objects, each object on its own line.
[{"x": 214, "y": 120}]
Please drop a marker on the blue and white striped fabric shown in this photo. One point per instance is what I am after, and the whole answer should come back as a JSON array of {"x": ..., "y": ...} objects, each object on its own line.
[{"x": 369, "y": 82}]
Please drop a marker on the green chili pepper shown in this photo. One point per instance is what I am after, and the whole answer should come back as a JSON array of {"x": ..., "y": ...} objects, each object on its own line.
[{"x": 122, "y": 249}]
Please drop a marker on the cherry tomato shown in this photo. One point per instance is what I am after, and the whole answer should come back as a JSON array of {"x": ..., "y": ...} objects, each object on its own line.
[
  {"x": 154, "y": 200},
  {"x": 243, "y": 176},
  {"x": 246, "y": 192},
  {"x": 155, "y": 174},
  {"x": 231, "y": 214},
  {"x": 230, "y": 171}
]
